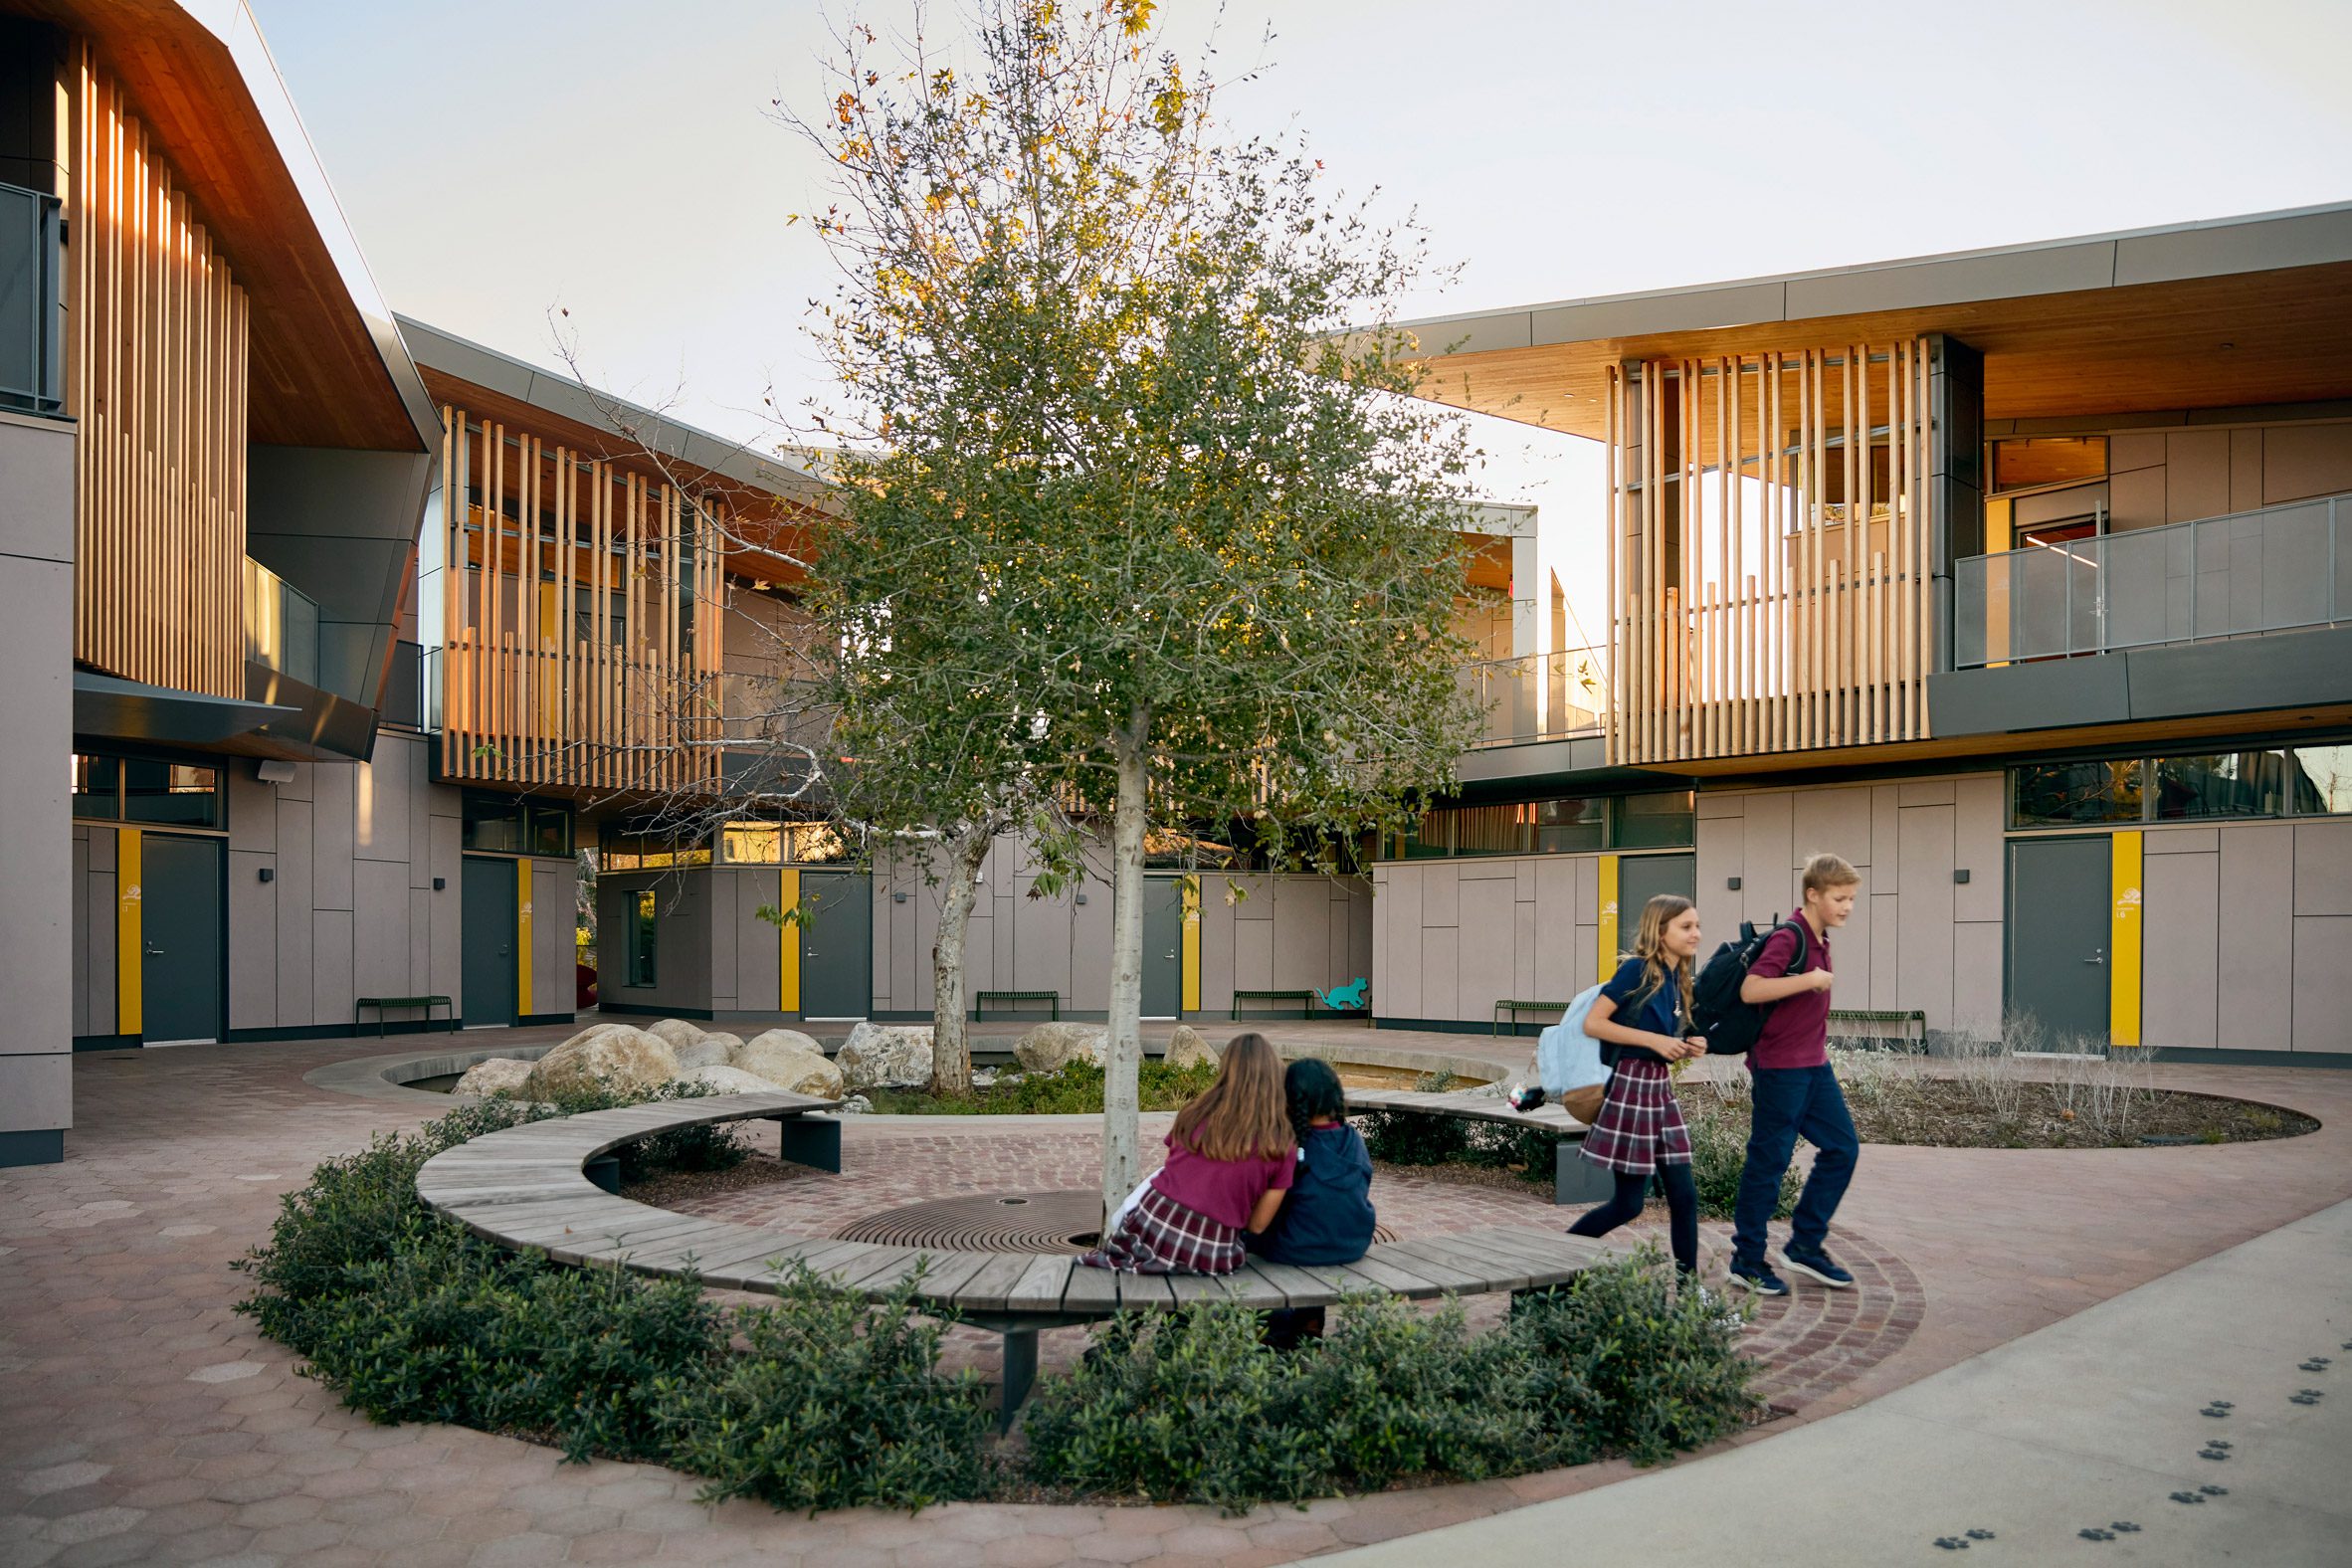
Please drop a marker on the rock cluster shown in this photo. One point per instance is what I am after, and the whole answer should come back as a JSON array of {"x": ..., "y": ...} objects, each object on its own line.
[{"x": 673, "y": 1050}]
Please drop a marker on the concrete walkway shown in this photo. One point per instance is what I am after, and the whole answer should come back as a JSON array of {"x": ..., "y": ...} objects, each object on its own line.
[{"x": 2094, "y": 1422}]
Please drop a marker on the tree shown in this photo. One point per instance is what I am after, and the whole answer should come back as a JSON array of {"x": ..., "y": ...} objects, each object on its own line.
[{"x": 1128, "y": 447}]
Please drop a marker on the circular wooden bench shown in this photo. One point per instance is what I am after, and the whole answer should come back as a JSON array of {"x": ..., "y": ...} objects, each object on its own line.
[
  {"x": 1575, "y": 1179},
  {"x": 527, "y": 1187}
]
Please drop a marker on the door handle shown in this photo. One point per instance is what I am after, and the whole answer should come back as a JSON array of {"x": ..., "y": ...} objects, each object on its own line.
[
  {"x": 2098, "y": 957},
  {"x": 154, "y": 953},
  {"x": 1170, "y": 953}
]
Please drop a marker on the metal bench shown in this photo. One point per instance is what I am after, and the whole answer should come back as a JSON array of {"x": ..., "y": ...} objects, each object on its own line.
[
  {"x": 1512, "y": 1010},
  {"x": 1052, "y": 999},
  {"x": 1304, "y": 999},
  {"x": 525, "y": 1187},
  {"x": 1910, "y": 1026},
  {"x": 428, "y": 1003}
]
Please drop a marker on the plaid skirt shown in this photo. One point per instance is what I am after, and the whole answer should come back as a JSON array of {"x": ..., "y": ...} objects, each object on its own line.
[
  {"x": 1157, "y": 1234},
  {"x": 1641, "y": 1125}
]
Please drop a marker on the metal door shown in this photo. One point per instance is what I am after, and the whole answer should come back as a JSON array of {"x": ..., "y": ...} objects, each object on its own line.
[
  {"x": 2059, "y": 932},
  {"x": 836, "y": 944},
  {"x": 488, "y": 935},
  {"x": 1641, "y": 878},
  {"x": 1163, "y": 947},
  {"x": 180, "y": 890}
]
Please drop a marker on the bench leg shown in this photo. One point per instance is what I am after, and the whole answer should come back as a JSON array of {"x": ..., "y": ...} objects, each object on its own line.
[
  {"x": 1020, "y": 1374},
  {"x": 605, "y": 1171},
  {"x": 1576, "y": 1179},
  {"x": 814, "y": 1142}
]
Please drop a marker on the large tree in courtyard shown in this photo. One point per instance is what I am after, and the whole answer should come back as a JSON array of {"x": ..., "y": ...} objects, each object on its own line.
[{"x": 1129, "y": 454}]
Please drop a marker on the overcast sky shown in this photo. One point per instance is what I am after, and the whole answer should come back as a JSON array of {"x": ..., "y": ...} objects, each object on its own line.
[{"x": 500, "y": 160}]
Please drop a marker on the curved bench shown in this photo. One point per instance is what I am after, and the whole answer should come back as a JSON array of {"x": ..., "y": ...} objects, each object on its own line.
[
  {"x": 526, "y": 1187},
  {"x": 1573, "y": 1178}
]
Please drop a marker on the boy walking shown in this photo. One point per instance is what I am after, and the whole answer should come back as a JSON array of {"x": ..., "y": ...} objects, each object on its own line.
[{"x": 1796, "y": 1093}]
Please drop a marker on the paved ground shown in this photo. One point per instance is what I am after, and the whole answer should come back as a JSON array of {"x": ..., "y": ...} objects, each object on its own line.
[
  {"x": 141, "y": 1421},
  {"x": 2106, "y": 1423}
]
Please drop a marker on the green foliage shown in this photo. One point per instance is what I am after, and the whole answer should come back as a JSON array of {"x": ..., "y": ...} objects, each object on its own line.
[
  {"x": 1409, "y": 1137},
  {"x": 1189, "y": 1405},
  {"x": 1718, "y": 1154},
  {"x": 1075, "y": 1088},
  {"x": 833, "y": 1403}
]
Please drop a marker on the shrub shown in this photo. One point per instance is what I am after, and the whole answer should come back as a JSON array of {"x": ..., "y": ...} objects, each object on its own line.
[
  {"x": 1407, "y": 1137},
  {"x": 834, "y": 1403},
  {"x": 1718, "y": 1154}
]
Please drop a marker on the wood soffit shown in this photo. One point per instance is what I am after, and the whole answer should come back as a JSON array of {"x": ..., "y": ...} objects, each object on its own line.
[
  {"x": 318, "y": 378},
  {"x": 2270, "y": 338}
]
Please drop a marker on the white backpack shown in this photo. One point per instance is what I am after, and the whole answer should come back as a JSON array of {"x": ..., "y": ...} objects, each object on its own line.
[{"x": 1566, "y": 1058}]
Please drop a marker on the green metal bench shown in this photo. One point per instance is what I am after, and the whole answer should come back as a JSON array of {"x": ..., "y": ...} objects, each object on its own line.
[
  {"x": 1305, "y": 1000},
  {"x": 1052, "y": 999},
  {"x": 1910, "y": 1026},
  {"x": 381, "y": 1003},
  {"x": 1513, "y": 1008}
]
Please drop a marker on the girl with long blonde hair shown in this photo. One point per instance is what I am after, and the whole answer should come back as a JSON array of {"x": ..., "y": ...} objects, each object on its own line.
[
  {"x": 1643, "y": 1020},
  {"x": 1230, "y": 1164}
]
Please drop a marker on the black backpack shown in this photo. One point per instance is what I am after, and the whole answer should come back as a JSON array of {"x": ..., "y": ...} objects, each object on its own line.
[{"x": 1731, "y": 1024}]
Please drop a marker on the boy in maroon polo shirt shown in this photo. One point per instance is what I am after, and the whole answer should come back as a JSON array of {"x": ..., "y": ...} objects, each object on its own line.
[{"x": 1796, "y": 1093}]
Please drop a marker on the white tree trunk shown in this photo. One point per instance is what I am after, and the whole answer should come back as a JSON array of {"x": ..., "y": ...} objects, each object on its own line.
[
  {"x": 951, "y": 1041},
  {"x": 1124, "y": 1049}
]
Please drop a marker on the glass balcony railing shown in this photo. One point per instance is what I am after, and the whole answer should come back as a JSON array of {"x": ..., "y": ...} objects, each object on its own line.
[
  {"x": 1539, "y": 696},
  {"x": 281, "y": 625},
  {"x": 32, "y": 369},
  {"x": 2273, "y": 570}
]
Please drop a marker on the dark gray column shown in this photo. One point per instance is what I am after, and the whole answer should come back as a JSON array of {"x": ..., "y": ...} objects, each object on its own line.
[{"x": 1955, "y": 476}]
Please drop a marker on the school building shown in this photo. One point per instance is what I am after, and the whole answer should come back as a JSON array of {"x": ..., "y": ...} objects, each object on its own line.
[{"x": 2022, "y": 579}]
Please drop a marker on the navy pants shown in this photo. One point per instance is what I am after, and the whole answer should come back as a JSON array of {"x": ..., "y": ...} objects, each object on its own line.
[{"x": 1793, "y": 1103}]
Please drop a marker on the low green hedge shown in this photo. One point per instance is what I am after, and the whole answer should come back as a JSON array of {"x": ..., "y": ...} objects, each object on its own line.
[{"x": 825, "y": 1400}]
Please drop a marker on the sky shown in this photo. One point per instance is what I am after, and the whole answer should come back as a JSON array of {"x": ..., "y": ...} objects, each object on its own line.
[{"x": 612, "y": 168}]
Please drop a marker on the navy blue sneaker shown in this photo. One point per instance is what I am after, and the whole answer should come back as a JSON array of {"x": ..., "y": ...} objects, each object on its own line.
[
  {"x": 1816, "y": 1266},
  {"x": 1757, "y": 1278}
]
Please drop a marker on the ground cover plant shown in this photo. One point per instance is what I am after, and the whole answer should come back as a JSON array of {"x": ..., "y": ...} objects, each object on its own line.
[
  {"x": 825, "y": 1400},
  {"x": 1074, "y": 1088}
]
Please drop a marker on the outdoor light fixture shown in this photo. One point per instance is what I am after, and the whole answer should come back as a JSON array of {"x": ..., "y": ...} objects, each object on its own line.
[
  {"x": 1081, "y": 896},
  {"x": 1961, "y": 874},
  {"x": 1732, "y": 882},
  {"x": 440, "y": 882},
  {"x": 897, "y": 896},
  {"x": 269, "y": 874}
]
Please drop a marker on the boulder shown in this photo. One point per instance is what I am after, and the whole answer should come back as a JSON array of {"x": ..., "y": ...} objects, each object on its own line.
[
  {"x": 711, "y": 1051},
  {"x": 497, "y": 1075},
  {"x": 675, "y": 1033},
  {"x": 1048, "y": 1047},
  {"x": 788, "y": 1059},
  {"x": 856, "y": 1105},
  {"x": 594, "y": 1031},
  {"x": 729, "y": 1080},
  {"x": 887, "y": 1056},
  {"x": 624, "y": 1059},
  {"x": 1187, "y": 1049}
]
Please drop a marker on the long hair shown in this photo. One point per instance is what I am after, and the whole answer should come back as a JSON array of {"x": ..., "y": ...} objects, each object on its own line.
[
  {"x": 1313, "y": 1090},
  {"x": 1241, "y": 1115},
  {"x": 1650, "y": 946}
]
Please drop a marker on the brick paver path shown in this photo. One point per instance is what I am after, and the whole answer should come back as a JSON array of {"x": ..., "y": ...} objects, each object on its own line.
[{"x": 141, "y": 1421}]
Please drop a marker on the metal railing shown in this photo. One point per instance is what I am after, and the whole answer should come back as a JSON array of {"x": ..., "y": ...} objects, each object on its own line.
[
  {"x": 1539, "y": 696},
  {"x": 281, "y": 625},
  {"x": 32, "y": 368},
  {"x": 2249, "y": 572}
]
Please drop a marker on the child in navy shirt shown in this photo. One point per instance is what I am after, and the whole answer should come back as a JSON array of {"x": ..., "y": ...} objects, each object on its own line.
[{"x": 1328, "y": 1217}]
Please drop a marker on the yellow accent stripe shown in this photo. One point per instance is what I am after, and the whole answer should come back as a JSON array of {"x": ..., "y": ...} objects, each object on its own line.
[
  {"x": 131, "y": 948},
  {"x": 788, "y": 942},
  {"x": 522, "y": 939},
  {"x": 1607, "y": 957},
  {"x": 1191, "y": 944},
  {"x": 2123, "y": 1008}
]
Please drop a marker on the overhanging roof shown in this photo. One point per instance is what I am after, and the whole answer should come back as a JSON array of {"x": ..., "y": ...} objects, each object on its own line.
[{"x": 2236, "y": 311}]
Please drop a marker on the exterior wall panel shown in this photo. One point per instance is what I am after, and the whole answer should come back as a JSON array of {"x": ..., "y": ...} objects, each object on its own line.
[
  {"x": 2181, "y": 934},
  {"x": 2258, "y": 954}
]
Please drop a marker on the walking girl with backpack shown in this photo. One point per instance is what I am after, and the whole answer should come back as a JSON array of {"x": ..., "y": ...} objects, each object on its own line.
[{"x": 1642, "y": 1019}]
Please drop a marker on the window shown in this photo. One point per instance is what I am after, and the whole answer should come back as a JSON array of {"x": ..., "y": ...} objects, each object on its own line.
[
  {"x": 640, "y": 852},
  {"x": 644, "y": 927},
  {"x": 752, "y": 844},
  {"x": 2322, "y": 779},
  {"x": 1490, "y": 830},
  {"x": 2063, "y": 794},
  {"x": 2230, "y": 784},
  {"x": 171, "y": 794},
  {"x": 97, "y": 786},
  {"x": 492, "y": 821},
  {"x": 550, "y": 830},
  {"x": 1656, "y": 821},
  {"x": 1563, "y": 827},
  {"x": 1575, "y": 825}
]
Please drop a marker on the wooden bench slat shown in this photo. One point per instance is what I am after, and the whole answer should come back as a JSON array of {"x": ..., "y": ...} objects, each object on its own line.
[
  {"x": 1148, "y": 1292},
  {"x": 1447, "y": 1274},
  {"x": 881, "y": 1275},
  {"x": 1042, "y": 1285},
  {"x": 1298, "y": 1286},
  {"x": 1092, "y": 1291},
  {"x": 977, "y": 1281},
  {"x": 1499, "y": 1268},
  {"x": 1392, "y": 1275},
  {"x": 1252, "y": 1285}
]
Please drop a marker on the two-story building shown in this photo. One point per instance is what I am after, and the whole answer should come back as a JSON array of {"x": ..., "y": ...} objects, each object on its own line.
[{"x": 2020, "y": 578}]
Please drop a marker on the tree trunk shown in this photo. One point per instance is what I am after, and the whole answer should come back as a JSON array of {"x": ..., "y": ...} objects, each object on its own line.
[
  {"x": 1123, "y": 1051},
  {"x": 951, "y": 1040}
]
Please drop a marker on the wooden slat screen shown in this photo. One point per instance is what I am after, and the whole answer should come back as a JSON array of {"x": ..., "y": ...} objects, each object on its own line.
[
  {"x": 571, "y": 659},
  {"x": 155, "y": 376},
  {"x": 1768, "y": 532}
]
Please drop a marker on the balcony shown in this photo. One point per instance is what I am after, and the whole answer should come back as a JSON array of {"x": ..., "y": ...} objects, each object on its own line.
[
  {"x": 281, "y": 625},
  {"x": 32, "y": 369},
  {"x": 1539, "y": 696},
  {"x": 2281, "y": 568}
]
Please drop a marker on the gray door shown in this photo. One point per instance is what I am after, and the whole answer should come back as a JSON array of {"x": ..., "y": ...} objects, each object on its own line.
[
  {"x": 836, "y": 944},
  {"x": 1163, "y": 947},
  {"x": 2057, "y": 934},
  {"x": 180, "y": 890},
  {"x": 489, "y": 937},
  {"x": 1642, "y": 877}
]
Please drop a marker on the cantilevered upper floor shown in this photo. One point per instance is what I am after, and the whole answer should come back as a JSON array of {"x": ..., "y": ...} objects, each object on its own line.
[{"x": 1918, "y": 505}]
